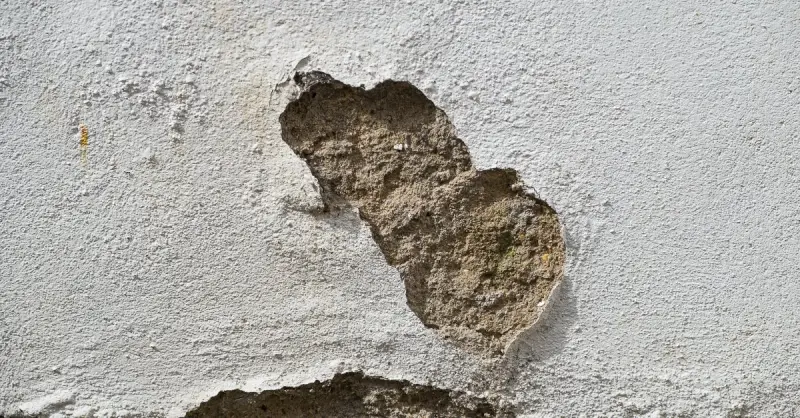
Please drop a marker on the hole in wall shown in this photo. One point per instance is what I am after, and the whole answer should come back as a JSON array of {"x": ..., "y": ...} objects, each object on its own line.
[
  {"x": 479, "y": 256},
  {"x": 349, "y": 395}
]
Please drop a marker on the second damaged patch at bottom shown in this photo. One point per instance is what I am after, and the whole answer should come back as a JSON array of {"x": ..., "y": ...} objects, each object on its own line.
[
  {"x": 349, "y": 395},
  {"x": 478, "y": 255}
]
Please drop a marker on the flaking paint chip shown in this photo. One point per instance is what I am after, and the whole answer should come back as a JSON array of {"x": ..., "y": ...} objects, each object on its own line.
[{"x": 479, "y": 256}]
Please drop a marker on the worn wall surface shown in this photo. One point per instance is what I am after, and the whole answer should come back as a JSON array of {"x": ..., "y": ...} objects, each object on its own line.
[{"x": 172, "y": 255}]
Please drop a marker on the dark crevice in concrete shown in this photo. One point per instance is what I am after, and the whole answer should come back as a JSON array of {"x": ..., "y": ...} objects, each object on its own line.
[
  {"x": 479, "y": 256},
  {"x": 350, "y": 395}
]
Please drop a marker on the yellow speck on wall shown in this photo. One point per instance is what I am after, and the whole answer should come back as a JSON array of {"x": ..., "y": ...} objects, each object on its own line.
[{"x": 84, "y": 143}]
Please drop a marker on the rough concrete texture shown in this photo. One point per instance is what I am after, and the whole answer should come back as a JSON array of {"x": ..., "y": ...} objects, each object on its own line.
[
  {"x": 179, "y": 260},
  {"x": 478, "y": 255},
  {"x": 349, "y": 395}
]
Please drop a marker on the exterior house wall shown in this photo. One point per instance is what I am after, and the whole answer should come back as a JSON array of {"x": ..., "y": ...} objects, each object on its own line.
[{"x": 171, "y": 255}]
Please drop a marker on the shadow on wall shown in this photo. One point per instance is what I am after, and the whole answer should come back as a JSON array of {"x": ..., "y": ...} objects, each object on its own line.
[{"x": 550, "y": 334}]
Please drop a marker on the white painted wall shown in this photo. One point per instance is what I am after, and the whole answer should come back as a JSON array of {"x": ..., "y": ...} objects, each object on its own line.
[{"x": 664, "y": 133}]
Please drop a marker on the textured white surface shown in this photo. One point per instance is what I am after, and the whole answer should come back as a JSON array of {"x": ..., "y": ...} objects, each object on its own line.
[{"x": 175, "y": 263}]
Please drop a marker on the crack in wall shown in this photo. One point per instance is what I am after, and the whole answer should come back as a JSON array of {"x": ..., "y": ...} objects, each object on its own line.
[
  {"x": 479, "y": 256},
  {"x": 349, "y": 395}
]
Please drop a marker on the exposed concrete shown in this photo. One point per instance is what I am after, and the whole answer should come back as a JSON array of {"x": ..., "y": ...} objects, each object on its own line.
[
  {"x": 349, "y": 395},
  {"x": 479, "y": 256}
]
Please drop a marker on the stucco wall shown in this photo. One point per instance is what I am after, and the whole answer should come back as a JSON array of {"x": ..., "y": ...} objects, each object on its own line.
[{"x": 167, "y": 259}]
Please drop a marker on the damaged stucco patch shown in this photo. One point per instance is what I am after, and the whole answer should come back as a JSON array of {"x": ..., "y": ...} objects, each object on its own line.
[
  {"x": 349, "y": 395},
  {"x": 479, "y": 255}
]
